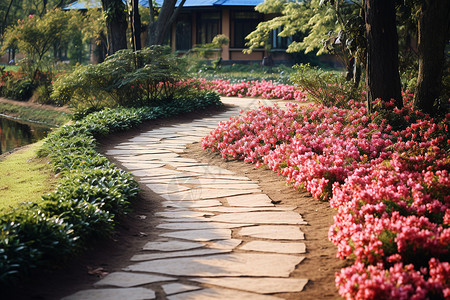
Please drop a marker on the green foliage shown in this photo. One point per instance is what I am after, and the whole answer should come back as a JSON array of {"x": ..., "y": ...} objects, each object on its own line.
[
  {"x": 328, "y": 88},
  {"x": 29, "y": 239},
  {"x": 35, "y": 36},
  {"x": 14, "y": 85},
  {"x": 90, "y": 194},
  {"x": 241, "y": 72},
  {"x": 220, "y": 40},
  {"x": 126, "y": 78},
  {"x": 308, "y": 17},
  {"x": 317, "y": 26}
]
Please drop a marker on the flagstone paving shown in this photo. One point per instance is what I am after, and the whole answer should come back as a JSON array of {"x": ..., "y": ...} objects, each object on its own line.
[{"x": 219, "y": 235}]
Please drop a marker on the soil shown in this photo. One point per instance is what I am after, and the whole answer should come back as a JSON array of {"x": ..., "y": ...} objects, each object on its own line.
[{"x": 138, "y": 227}]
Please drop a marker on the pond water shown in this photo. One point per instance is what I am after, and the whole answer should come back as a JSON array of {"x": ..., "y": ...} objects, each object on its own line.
[{"x": 15, "y": 133}]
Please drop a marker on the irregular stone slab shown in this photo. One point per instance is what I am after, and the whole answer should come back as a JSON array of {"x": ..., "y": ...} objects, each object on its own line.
[
  {"x": 178, "y": 164},
  {"x": 160, "y": 134},
  {"x": 182, "y": 214},
  {"x": 234, "y": 264},
  {"x": 132, "y": 146},
  {"x": 285, "y": 217},
  {"x": 276, "y": 247},
  {"x": 159, "y": 156},
  {"x": 216, "y": 181},
  {"x": 142, "y": 138},
  {"x": 183, "y": 140},
  {"x": 142, "y": 165},
  {"x": 258, "y": 285},
  {"x": 250, "y": 200},
  {"x": 227, "y": 209},
  {"x": 171, "y": 246},
  {"x": 181, "y": 220},
  {"x": 167, "y": 188},
  {"x": 237, "y": 186},
  {"x": 225, "y": 244},
  {"x": 195, "y": 133},
  {"x": 200, "y": 235},
  {"x": 188, "y": 203},
  {"x": 197, "y": 194},
  {"x": 181, "y": 159},
  {"x": 167, "y": 178},
  {"x": 199, "y": 225},
  {"x": 176, "y": 288},
  {"x": 206, "y": 170},
  {"x": 154, "y": 172},
  {"x": 113, "y": 294},
  {"x": 148, "y": 139},
  {"x": 230, "y": 177},
  {"x": 134, "y": 151},
  {"x": 175, "y": 149},
  {"x": 274, "y": 232},
  {"x": 195, "y": 252},
  {"x": 215, "y": 294},
  {"x": 127, "y": 279}
]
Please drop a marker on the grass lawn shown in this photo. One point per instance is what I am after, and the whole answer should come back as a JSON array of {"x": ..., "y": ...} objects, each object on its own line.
[
  {"x": 10, "y": 68},
  {"x": 25, "y": 178}
]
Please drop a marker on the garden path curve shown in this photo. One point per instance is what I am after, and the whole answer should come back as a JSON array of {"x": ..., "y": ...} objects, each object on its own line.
[{"x": 222, "y": 238}]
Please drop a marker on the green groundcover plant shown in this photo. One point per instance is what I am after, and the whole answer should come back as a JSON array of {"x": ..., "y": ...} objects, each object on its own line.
[{"x": 91, "y": 192}]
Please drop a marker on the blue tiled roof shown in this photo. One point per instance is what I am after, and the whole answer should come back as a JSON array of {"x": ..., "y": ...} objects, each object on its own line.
[
  {"x": 84, "y": 4},
  {"x": 205, "y": 3},
  {"x": 188, "y": 3}
]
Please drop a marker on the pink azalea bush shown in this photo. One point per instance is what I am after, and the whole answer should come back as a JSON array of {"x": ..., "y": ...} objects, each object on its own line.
[
  {"x": 390, "y": 187},
  {"x": 256, "y": 89}
]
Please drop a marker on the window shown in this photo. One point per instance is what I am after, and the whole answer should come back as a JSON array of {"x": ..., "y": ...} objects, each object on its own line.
[
  {"x": 279, "y": 42},
  {"x": 184, "y": 33},
  {"x": 242, "y": 24},
  {"x": 208, "y": 26}
]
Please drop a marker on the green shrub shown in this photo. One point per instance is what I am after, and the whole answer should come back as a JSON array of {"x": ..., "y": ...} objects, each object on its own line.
[
  {"x": 14, "y": 85},
  {"x": 125, "y": 78},
  {"x": 30, "y": 239},
  {"x": 327, "y": 88}
]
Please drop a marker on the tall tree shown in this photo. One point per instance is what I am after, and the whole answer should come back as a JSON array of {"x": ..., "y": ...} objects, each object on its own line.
[
  {"x": 159, "y": 27},
  {"x": 382, "y": 75},
  {"x": 135, "y": 19},
  {"x": 116, "y": 24},
  {"x": 433, "y": 36}
]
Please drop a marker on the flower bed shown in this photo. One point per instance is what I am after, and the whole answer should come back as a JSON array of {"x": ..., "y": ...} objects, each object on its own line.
[
  {"x": 389, "y": 186},
  {"x": 256, "y": 89}
]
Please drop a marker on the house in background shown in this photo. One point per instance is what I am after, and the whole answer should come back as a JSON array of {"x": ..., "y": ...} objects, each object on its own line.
[{"x": 200, "y": 21}]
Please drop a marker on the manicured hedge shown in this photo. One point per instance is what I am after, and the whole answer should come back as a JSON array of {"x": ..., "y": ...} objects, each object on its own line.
[{"x": 90, "y": 194}]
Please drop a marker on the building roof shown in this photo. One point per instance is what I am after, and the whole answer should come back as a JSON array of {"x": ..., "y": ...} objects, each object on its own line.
[
  {"x": 189, "y": 3},
  {"x": 207, "y": 3}
]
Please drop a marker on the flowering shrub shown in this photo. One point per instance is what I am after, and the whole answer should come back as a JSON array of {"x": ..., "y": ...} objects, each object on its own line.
[
  {"x": 390, "y": 187},
  {"x": 254, "y": 88},
  {"x": 15, "y": 85}
]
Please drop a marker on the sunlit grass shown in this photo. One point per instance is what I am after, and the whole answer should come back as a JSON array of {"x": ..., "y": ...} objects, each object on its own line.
[
  {"x": 10, "y": 67},
  {"x": 24, "y": 177}
]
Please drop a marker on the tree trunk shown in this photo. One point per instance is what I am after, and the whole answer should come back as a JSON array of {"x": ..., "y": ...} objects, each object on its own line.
[
  {"x": 136, "y": 25},
  {"x": 158, "y": 29},
  {"x": 433, "y": 34},
  {"x": 382, "y": 76},
  {"x": 116, "y": 25}
]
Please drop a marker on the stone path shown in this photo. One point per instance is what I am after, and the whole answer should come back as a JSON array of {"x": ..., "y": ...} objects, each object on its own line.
[{"x": 222, "y": 237}]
